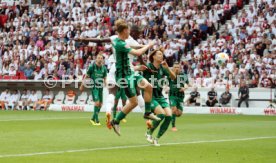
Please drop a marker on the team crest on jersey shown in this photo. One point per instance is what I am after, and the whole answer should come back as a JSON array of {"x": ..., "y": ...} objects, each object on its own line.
[{"x": 161, "y": 73}]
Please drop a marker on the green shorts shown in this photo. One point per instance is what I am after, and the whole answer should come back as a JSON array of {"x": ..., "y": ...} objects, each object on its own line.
[
  {"x": 97, "y": 94},
  {"x": 176, "y": 102},
  {"x": 129, "y": 84},
  {"x": 120, "y": 94},
  {"x": 158, "y": 101}
]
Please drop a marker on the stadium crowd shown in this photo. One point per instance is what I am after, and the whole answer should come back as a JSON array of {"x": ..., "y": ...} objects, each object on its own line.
[{"x": 41, "y": 41}]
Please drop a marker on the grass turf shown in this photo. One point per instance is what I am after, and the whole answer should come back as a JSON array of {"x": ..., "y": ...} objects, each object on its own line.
[{"x": 33, "y": 132}]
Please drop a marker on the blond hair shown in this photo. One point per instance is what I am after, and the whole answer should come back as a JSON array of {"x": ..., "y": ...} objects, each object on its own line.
[{"x": 121, "y": 25}]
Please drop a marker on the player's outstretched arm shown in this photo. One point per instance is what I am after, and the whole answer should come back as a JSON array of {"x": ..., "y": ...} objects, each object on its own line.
[
  {"x": 94, "y": 40},
  {"x": 140, "y": 68},
  {"x": 141, "y": 51}
]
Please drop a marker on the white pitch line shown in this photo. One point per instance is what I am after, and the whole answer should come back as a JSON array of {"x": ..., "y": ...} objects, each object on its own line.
[
  {"x": 133, "y": 146},
  {"x": 41, "y": 119}
]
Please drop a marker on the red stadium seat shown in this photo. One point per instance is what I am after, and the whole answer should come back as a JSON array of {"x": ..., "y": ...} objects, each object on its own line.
[
  {"x": 22, "y": 77},
  {"x": 14, "y": 77},
  {"x": 6, "y": 77}
]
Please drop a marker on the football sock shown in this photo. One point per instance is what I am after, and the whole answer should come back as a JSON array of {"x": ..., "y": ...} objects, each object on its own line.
[
  {"x": 156, "y": 123},
  {"x": 114, "y": 110},
  {"x": 147, "y": 107},
  {"x": 96, "y": 112},
  {"x": 173, "y": 120},
  {"x": 164, "y": 126},
  {"x": 120, "y": 116}
]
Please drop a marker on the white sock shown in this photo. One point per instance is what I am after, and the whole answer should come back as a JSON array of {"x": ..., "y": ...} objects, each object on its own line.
[
  {"x": 109, "y": 103},
  {"x": 141, "y": 103}
]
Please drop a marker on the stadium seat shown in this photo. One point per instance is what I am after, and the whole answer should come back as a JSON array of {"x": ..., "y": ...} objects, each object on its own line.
[
  {"x": 70, "y": 97},
  {"x": 90, "y": 100},
  {"x": 14, "y": 77},
  {"x": 82, "y": 98},
  {"x": 6, "y": 77},
  {"x": 59, "y": 98}
]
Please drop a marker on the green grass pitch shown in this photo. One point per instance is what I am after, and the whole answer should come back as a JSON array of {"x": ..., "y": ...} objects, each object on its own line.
[{"x": 27, "y": 136}]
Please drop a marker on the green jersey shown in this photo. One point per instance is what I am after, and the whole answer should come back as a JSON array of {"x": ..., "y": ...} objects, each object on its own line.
[
  {"x": 122, "y": 60},
  {"x": 97, "y": 74},
  {"x": 177, "y": 84},
  {"x": 158, "y": 83}
]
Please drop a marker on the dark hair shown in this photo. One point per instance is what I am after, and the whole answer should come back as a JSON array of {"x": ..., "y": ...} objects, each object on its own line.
[
  {"x": 154, "y": 52},
  {"x": 135, "y": 28}
]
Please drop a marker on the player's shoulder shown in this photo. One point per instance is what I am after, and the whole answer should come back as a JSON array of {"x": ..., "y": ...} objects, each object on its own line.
[
  {"x": 104, "y": 67},
  {"x": 113, "y": 37},
  {"x": 91, "y": 65},
  {"x": 150, "y": 65},
  {"x": 118, "y": 42}
]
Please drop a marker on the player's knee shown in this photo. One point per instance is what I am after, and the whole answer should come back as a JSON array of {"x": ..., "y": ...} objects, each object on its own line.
[
  {"x": 149, "y": 88},
  {"x": 174, "y": 110},
  {"x": 179, "y": 114},
  {"x": 97, "y": 104},
  {"x": 133, "y": 102}
]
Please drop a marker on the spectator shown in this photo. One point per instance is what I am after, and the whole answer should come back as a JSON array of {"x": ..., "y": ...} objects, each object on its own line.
[
  {"x": 32, "y": 100},
  {"x": 225, "y": 97},
  {"x": 45, "y": 101},
  {"x": 194, "y": 98},
  {"x": 12, "y": 71},
  {"x": 5, "y": 69},
  {"x": 23, "y": 102},
  {"x": 28, "y": 72},
  {"x": 13, "y": 100},
  {"x": 212, "y": 98},
  {"x": 4, "y": 98},
  {"x": 243, "y": 94}
]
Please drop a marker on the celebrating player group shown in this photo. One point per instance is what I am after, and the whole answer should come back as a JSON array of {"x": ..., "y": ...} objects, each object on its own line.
[{"x": 126, "y": 82}]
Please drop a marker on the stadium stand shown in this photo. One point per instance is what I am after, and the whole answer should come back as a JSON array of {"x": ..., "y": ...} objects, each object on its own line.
[
  {"x": 59, "y": 98},
  {"x": 42, "y": 37},
  {"x": 82, "y": 98},
  {"x": 39, "y": 42}
]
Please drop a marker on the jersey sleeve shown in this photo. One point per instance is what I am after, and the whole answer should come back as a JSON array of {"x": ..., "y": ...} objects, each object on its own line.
[
  {"x": 131, "y": 42},
  {"x": 125, "y": 48}
]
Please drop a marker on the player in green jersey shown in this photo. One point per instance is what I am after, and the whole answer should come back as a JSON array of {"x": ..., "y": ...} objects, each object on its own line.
[
  {"x": 126, "y": 78},
  {"x": 97, "y": 72},
  {"x": 177, "y": 93},
  {"x": 159, "y": 104}
]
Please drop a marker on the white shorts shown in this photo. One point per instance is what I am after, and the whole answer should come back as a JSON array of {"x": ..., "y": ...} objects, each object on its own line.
[{"x": 111, "y": 75}]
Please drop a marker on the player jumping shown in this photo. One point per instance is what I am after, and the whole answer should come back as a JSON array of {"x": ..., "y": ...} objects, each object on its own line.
[
  {"x": 113, "y": 88},
  {"x": 128, "y": 77}
]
